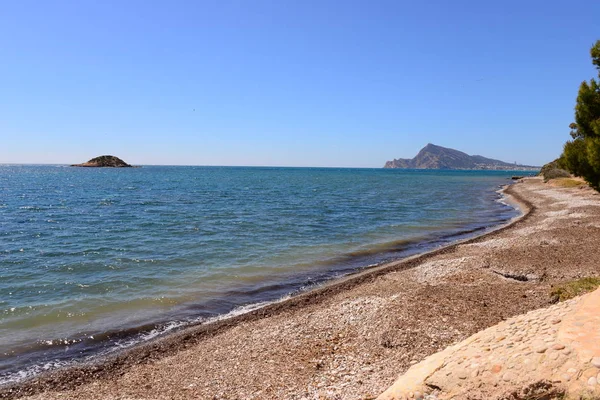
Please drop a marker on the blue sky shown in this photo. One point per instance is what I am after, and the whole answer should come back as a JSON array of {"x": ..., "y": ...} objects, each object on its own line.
[{"x": 290, "y": 83}]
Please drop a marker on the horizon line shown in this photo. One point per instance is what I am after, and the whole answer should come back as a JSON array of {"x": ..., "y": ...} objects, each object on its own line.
[{"x": 266, "y": 166}]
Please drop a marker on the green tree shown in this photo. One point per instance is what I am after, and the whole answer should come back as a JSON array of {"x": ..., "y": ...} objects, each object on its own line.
[
  {"x": 581, "y": 156},
  {"x": 574, "y": 158}
]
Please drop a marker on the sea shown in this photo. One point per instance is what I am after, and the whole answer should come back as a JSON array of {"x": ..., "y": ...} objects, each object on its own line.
[{"x": 93, "y": 261}]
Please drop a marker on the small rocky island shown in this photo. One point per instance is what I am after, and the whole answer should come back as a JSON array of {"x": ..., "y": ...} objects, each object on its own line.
[{"x": 104, "y": 162}]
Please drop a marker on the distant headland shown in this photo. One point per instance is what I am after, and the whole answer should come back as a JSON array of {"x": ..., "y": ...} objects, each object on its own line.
[
  {"x": 438, "y": 157},
  {"x": 104, "y": 162}
]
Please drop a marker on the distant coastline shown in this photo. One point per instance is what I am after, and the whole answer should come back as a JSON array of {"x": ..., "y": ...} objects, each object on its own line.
[{"x": 437, "y": 157}]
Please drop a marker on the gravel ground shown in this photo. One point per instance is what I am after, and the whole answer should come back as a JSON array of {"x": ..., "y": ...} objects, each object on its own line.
[{"x": 351, "y": 339}]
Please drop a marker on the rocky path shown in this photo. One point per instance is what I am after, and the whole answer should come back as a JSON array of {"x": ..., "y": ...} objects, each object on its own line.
[{"x": 553, "y": 351}]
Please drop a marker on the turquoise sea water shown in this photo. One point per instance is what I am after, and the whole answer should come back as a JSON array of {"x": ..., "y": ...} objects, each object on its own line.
[{"x": 93, "y": 260}]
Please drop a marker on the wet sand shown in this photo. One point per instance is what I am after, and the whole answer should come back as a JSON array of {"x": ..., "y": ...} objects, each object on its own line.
[{"x": 352, "y": 338}]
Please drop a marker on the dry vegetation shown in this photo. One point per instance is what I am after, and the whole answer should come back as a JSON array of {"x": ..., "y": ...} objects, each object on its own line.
[
  {"x": 572, "y": 289},
  {"x": 567, "y": 182}
]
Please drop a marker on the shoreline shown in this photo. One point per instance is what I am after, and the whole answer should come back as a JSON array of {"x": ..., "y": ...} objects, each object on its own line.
[
  {"x": 115, "y": 364},
  {"x": 354, "y": 263},
  {"x": 351, "y": 339}
]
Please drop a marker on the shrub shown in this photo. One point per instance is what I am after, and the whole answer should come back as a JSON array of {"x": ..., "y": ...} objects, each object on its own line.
[
  {"x": 555, "y": 173},
  {"x": 572, "y": 289},
  {"x": 549, "y": 166}
]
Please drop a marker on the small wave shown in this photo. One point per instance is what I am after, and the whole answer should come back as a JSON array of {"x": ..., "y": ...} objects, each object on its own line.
[
  {"x": 146, "y": 336},
  {"x": 247, "y": 308},
  {"x": 504, "y": 200},
  {"x": 32, "y": 371},
  {"x": 60, "y": 342},
  {"x": 33, "y": 208}
]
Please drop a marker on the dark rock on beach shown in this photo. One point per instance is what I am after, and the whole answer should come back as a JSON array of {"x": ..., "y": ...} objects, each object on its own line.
[{"x": 104, "y": 162}]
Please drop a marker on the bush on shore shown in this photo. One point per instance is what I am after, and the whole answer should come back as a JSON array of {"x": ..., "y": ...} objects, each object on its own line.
[
  {"x": 554, "y": 169},
  {"x": 555, "y": 173},
  {"x": 572, "y": 289},
  {"x": 551, "y": 165}
]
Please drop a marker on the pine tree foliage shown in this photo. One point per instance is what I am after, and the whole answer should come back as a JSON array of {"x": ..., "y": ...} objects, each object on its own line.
[{"x": 581, "y": 156}]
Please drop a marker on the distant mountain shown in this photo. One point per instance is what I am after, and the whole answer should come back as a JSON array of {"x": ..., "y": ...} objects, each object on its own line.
[
  {"x": 104, "y": 161},
  {"x": 438, "y": 157}
]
